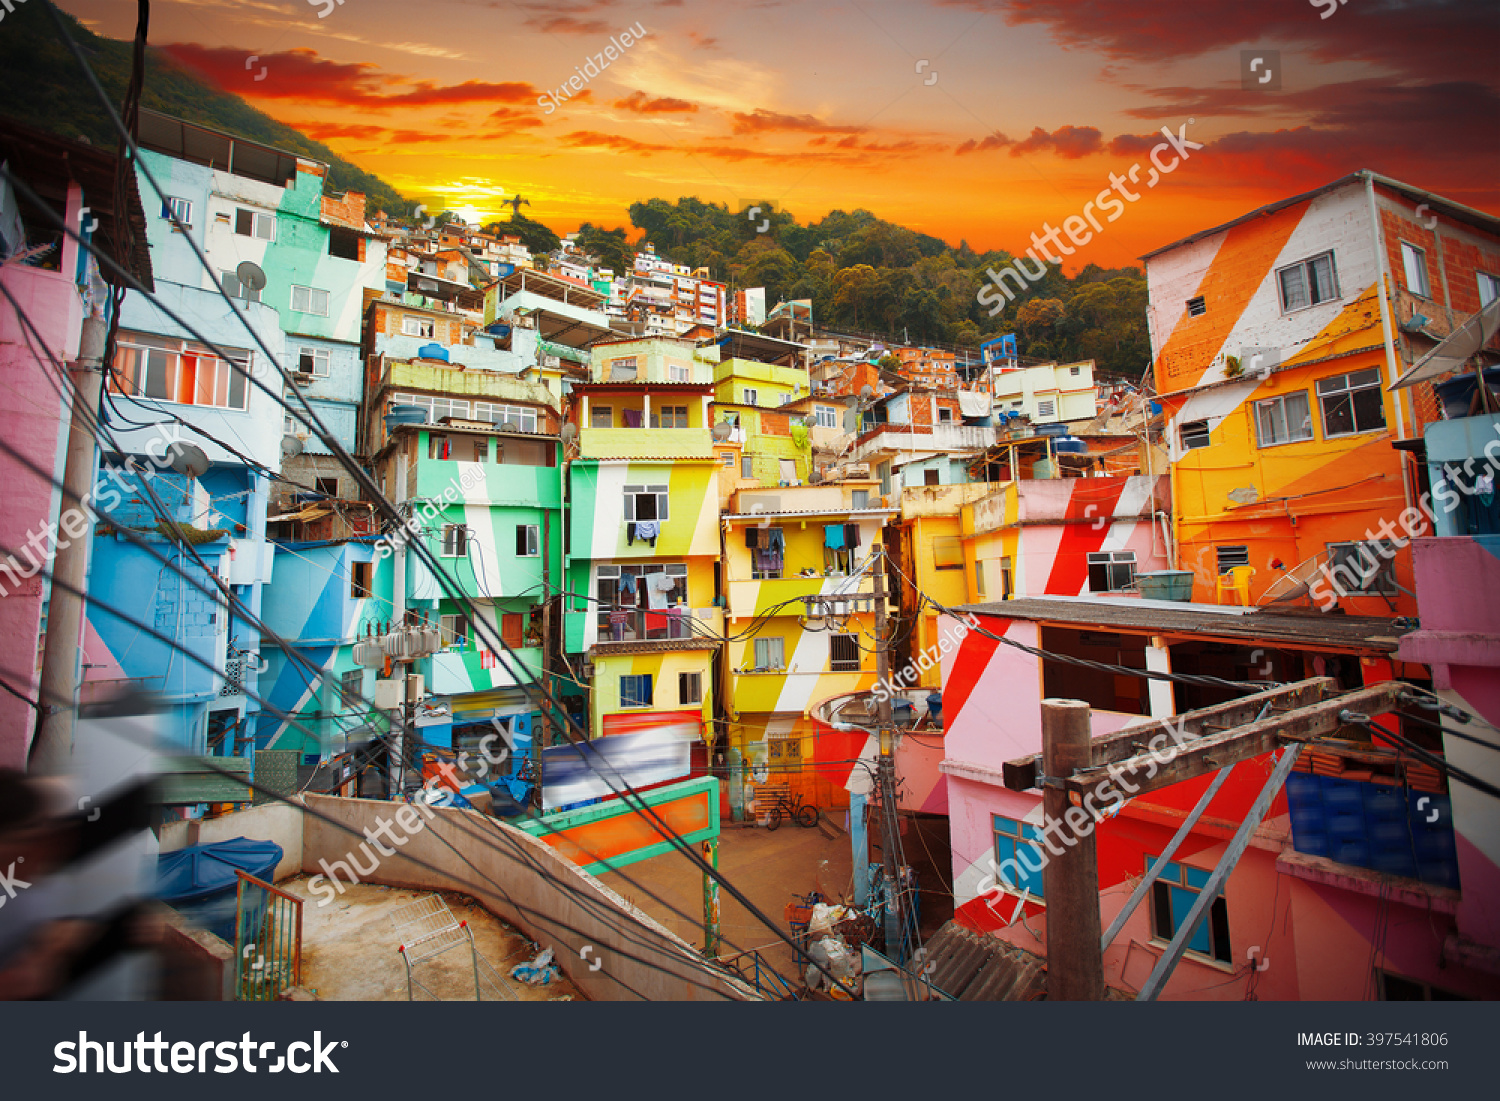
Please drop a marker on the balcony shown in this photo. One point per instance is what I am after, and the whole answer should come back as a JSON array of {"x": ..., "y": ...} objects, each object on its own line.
[
  {"x": 645, "y": 443},
  {"x": 747, "y": 598},
  {"x": 922, "y": 437},
  {"x": 644, "y": 625},
  {"x": 490, "y": 483},
  {"x": 485, "y": 354}
]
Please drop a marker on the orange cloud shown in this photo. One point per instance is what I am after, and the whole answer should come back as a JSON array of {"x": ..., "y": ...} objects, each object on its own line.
[{"x": 643, "y": 104}]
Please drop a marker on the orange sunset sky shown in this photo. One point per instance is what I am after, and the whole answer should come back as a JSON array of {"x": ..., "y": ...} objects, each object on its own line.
[{"x": 975, "y": 119}]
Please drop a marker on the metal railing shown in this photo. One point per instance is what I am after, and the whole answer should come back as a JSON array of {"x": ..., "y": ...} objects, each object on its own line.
[
  {"x": 267, "y": 940},
  {"x": 623, "y": 625}
]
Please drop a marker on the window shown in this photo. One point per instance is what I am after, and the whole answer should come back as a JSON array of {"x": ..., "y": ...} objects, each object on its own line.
[
  {"x": 1351, "y": 403},
  {"x": 179, "y": 371},
  {"x": 635, "y": 690},
  {"x": 1007, "y": 580},
  {"x": 747, "y": 466},
  {"x": 343, "y": 243},
  {"x": 622, "y": 370},
  {"x": 788, "y": 471},
  {"x": 859, "y": 498},
  {"x": 1414, "y": 264},
  {"x": 783, "y": 755},
  {"x": 601, "y": 416},
  {"x": 359, "y": 579},
  {"x": 932, "y": 477},
  {"x": 825, "y": 416},
  {"x": 1111, "y": 571},
  {"x": 1361, "y": 567},
  {"x": 481, "y": 451},
  {"x": 1307, "y": 283},
  {"x": 727, "y": 458},
  {"x": 1173, "y": 895},
  {"x": 455, "y": 541},
  {"x": 329, "y": 487},
  {"x": 1230, "y": 557},
  {"x": 978, "y": 578},
  {"x": 1196, "y": 307},
  {"x": 437, "y": 408},
  {"x": 439, "y": 447},
  {"x": 689, "y": 688},
  {"x": 181, "y": 209},
  {"x": 352, "y": 687},
  {"x": 843, "y": 653},
  {"x": 313, "y": 361},
  {"x": 1018, "y": 859},
  {"x": 945, "y": 415},
  {"x": 528, "y": 541},
  {"x": 253, "y": 223},
  {"x": 645, "y": 503},
  {"x": 454, "y": 630},
  {"x": 947, "y": 553},
  {"x": 1076, "y": 371},
  {"x": 417, "y": 326},
  {"x": 1489, "y": 288},
  {"x": 751, "y": 397},
  {"x": 676, "y": 372},
  {"x": 670, "y": 416},
  {"x": 310, "y": 300},
  {"x": 769, "y": 654},
  {"x": 1046, "y": 407},
  {"x": 1192, "y": 434},
  {"x": 1283, "y": 419},
  {"x": 235, "y": 289},
  {"x": 517, "y": 418}
]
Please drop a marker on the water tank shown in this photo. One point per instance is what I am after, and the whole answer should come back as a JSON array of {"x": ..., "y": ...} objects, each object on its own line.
[
  {"x": 433, "y": 351},
  {"x": 405, "y": 414},
  {"x": 1071, "y": 445}
]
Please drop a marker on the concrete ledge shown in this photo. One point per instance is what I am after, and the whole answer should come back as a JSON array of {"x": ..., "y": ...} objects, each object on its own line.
[{"x": 1363, "y": 881}]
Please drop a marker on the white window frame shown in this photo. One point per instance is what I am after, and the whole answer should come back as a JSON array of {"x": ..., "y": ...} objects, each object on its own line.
[
  {"x": 751, "y": 396},
  {"x": 455, "y": 541},
  {"x": 533, "y": 540},
  {"x": 259, "y": 220},
  {"x": 677, "y": 372},
  {"x": 454, "y": 632},
  {"x": 138, "y": 345},
  {"x": 1414, "y": 269},
  {"x": 182, "y": 208},
  {"x": 498, "y": 414},
  {"x": 770, "y": 653},
  {"x": 421, "y": 327},
  {"x": 1489, "y": 287},
  {"x": 660, "y": 492},
  {"x": 1112, "y": 561},
  {"x": 692, "y": 694},
  {"x": 1307, "y": 283},
  {"x": 311, "y": 300},
  {"x": 825, "y": 416},
  {"x": 1272, "y": 413},
  {"x": 317, "y": 355},
  {"x": 1327, "y": 390},
  {"x": 235, "y": 289}
]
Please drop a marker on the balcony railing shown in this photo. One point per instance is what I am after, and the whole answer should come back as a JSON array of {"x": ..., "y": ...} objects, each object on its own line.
[{"x": 645, "y": 624}]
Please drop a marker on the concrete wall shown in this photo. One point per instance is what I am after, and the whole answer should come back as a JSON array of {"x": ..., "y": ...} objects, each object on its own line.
[
  {"x": 278, "y": 822},
  {"x": 526, "y": 883}
]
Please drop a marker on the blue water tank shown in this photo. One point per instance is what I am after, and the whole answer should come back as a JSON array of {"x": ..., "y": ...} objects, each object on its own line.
[
  {"x": 433, "y": 351},
  {"x": 1072, "y": 445}
]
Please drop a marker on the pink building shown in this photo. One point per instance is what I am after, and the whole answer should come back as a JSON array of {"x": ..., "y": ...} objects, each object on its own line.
[
  {"x": 55, "y": 285},
  {"x": 1351, "y": 889}
]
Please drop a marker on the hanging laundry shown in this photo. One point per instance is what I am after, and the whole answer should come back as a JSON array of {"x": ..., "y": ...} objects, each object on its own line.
[
  {"x": 647, "y": 530},
  {"x": 632, "y": 417},
  {"x": 833, "y": 536},
  {"x": 775, "y": 540},
  {"x": 655, "y": 598},
  {"x": 630, "y": 533},
  {"x": 851, "y": 534},
  {"x": 627, "y": 584},
  {"x": 751, "y": 537}
]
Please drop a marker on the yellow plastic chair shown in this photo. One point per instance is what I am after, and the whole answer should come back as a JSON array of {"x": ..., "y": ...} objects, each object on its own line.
[{"x": 1237, "y": 581}]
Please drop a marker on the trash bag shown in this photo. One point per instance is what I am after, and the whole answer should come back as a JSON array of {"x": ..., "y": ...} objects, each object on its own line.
[
  {"x": 837, "y": 957},
  {"x": 824, "y": 918},
  {"x": 538, "y": 972}
]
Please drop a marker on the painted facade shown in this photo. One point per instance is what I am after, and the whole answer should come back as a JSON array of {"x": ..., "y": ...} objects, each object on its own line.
[{"x": 1275, "y": 339}]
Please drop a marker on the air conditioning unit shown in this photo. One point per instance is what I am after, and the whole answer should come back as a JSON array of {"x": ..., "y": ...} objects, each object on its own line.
[{"x": 551, "y": 361}]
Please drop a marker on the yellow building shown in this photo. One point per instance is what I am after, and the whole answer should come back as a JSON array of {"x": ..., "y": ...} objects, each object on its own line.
[
  {"x": 780, "y": 546},
  {"x": 754, "y": 379}
]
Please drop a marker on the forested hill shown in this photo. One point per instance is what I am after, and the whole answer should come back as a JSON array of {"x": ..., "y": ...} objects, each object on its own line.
[
  {"x": 870, "y": 275},
  {"x": 42, "y": 86}
]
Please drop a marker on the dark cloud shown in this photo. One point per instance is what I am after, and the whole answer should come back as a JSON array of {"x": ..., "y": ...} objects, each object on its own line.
[
  {"x": 1068, "y": 142},
  {"x": 997, "y": 140},
  {"x": 762, "y": 121},
  {"x": 642, "y": 104}
]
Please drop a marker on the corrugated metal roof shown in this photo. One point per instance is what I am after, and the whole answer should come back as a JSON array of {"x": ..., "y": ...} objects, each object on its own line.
[
  {"x": 974, "y": 967},
  {"x": 1305, "y": 628}
]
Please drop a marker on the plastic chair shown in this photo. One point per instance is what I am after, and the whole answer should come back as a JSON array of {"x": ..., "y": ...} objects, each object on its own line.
[{"x": 1236, "y": 580}]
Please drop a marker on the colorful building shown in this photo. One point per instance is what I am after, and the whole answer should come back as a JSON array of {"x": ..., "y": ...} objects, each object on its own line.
[
  {"x": 782, "y": 658},
  {"x": 1275, "y": 337},
  {"x": 755, "y": 381}
]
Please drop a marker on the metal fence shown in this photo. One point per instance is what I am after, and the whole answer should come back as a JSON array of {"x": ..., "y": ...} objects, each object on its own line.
[{"x": 267, "y": 940}]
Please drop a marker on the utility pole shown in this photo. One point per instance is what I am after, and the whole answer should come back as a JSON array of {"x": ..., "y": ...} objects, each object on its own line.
[
  {"x": 887, "y": 763},
  {"x": 1070, "y": 881},
  {"x": 61, "y": 653}
]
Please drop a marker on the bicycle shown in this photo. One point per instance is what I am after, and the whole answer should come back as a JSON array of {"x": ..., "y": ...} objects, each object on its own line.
[{"x": 804, "y": 814}]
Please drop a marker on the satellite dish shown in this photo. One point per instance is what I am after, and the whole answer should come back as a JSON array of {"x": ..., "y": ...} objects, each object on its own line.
[
  {"x": 866, "y": 391},
  {"x": 250, "y": 276},
  {"x": 291, "y": 447},
  {"x": 188, "y": 460},
  {"x": 570, "y": 432},
  {"x": 721, "y": 431},
  {"x": 851, "y": 420}
]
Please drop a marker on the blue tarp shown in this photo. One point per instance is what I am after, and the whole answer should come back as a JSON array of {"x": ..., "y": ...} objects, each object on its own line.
[{"x": 200, "y": 882}]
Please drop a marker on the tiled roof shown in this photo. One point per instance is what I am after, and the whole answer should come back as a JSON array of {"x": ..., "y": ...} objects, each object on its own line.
[{"x": 652, "y": 646}]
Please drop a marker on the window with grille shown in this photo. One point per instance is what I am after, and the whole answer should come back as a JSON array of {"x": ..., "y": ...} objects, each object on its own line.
[
  {"x": 1308, "y": 283},
  {"x": 1111, "y": 571},
  {"x": 455, "y": 541},
  {"x": 635, "y": 690},
  {"x": 1283, "y": 419},
  {"x": 1173, "y": 896},
  {"x": 352, "y": 688},
  {"x": 1229, "y": 557},
  {"x": 1351, "y": 403},
  {"x": 843, "y": 653},
  {"x": 310, "y": 300},
  {"x": 1196, "y": 307}
]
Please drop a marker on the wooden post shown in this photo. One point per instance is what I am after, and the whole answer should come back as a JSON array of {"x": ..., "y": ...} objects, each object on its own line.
[{"x": 1070, "y": 879}]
